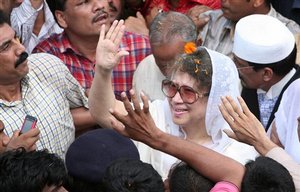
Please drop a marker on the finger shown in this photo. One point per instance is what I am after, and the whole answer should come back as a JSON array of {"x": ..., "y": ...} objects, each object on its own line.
[
  {"x": 118, "y": 126},
  {"x": 32, "y": 148},
  {"x": 111, "y": 29},
  {"x": 235, "y": 107},
  {"x": 102, "y": 33},
  {"x": 121, "y": 54},
  {"x": 126, "y": 103},
  {"x": 119, "y": 35},
  {"x": 119, "y": 29},
  {"x": 145, "y": 102},
  {"x": 15, "y": 134},
  {"x": 229, "y": 108},
  {"x": 140, "y": 16},
  {"x": 244, "y": 106},
  {"x": 230, "y": 134},
  {"x": 228, "y": 118},
  {"x": 32, "y": 132},
  {"x": 135, "y": 101}
]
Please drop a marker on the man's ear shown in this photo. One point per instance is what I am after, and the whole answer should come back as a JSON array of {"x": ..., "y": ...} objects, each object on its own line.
[
  {"x": 267, "y": 74},
  {"x": 258, "y": 3},
  {"x": 61, "y": 19}
]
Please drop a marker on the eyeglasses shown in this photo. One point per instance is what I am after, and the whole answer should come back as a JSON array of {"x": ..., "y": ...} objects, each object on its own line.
[{"x": 187, "y": 94}]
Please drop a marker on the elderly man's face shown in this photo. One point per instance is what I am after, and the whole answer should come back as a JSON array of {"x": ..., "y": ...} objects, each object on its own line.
[{"x": 7, "y": 5}]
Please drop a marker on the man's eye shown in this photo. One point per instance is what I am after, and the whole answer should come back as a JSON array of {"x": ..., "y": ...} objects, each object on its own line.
[{"x": 4, "y": 47}]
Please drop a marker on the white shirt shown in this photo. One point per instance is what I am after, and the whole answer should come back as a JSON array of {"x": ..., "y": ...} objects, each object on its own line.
[
  {"x": 148, "y": 78},
  {"x": 23, "y": 19}
]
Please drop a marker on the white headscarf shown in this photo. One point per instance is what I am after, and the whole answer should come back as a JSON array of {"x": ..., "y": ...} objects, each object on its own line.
[
  {"x": 225, "y": 81},
  {"x": 286, "y": 120}
]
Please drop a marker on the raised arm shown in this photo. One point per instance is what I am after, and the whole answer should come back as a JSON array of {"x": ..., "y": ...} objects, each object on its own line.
[
  {"x": 101, "y": 96},
  {"x": 248, "y": 129},
  {"x": 245, "y": 125},
  {"x": 139, "y": 125}
]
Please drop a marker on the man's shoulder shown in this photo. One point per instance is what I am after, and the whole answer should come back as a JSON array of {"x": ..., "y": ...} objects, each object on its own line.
[
  {"x": 130, "y": 37},
  {"x": 290, "y": 24},
  {"x": 55, "y": 41},
  {"x": 45, "y": 62}
]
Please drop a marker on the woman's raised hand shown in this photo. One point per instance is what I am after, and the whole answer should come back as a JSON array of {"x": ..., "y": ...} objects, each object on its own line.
[{"x": 108, "y": 54}]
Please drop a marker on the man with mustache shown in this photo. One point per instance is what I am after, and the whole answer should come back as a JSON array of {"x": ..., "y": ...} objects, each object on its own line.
[
  {"x": 76, "y": 46},
  {"x": 265, "y": 59},
  {"x": 41, "y": 86}
]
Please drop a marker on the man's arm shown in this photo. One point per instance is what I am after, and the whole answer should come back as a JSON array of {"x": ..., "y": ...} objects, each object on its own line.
[
  {"x": 83, "y": 120},
  {"x": 139, "y": 125},
  {"x": 101, "y": 95}
]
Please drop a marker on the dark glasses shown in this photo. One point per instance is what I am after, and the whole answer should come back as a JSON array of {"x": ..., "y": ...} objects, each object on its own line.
[{"x": 187, "y": 94}]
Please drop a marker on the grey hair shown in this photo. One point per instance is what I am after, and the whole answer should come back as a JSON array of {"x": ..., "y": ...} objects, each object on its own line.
[{"x": 171, "y": 25}]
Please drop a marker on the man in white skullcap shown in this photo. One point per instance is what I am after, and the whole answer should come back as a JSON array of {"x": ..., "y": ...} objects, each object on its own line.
[{"x": 264, "y": 53}]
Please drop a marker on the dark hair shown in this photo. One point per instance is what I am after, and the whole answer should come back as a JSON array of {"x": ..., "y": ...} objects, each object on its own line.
[
  {"x": 74, "y": 184},
  {"x": 183, "y": 178},
  {"x": 198, "y": 65},
  {"x": 3, "y": 18},
  {"x": 280, "y": 68},
  {"x": 132, "y": 175},
  {"x": 30, "y": 171},
  {"x": 55, "y": 5},
  {"x": 267, "y": 175}
]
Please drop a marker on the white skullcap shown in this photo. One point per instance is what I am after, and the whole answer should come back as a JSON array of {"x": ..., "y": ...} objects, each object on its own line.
[{"x": 262, "y": 39}]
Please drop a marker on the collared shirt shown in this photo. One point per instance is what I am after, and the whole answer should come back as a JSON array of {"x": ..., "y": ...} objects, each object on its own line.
[
  {"x": 218, "y": 32},
  {"x": 267, "y": 100},
  {"x": 276, "y": 89},
  {"x": 49, "y": 91},
  {"x": 82, "y": 68},
  {"x": 23, "y": 20}
]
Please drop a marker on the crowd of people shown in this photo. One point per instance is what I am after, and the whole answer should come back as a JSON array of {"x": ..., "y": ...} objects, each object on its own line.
[{"x": 149, "y": 95}]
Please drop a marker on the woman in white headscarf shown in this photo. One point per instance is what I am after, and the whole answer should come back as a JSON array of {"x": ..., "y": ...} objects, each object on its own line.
[
  {"x": 200, "y": 77},
  {"x": 286, "y": 123}
]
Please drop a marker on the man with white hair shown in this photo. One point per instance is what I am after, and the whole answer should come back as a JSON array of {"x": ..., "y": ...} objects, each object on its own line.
[{"x": 264, "y": 52}]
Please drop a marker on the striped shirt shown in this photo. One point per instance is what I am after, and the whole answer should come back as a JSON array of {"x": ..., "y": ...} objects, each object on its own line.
[
  {"x": 48, "y": 93},
  {"x": 23, "y": 20},
  {"x": 82, "y": 68}
]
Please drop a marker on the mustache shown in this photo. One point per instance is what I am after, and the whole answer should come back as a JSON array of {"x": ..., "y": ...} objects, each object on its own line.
[
  {"x": 98, "y": 14},
  {"x": 21, "y": 59}
]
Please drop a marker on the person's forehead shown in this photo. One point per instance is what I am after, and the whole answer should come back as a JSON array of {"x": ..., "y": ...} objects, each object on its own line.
[{"x": 6, "y": 33}]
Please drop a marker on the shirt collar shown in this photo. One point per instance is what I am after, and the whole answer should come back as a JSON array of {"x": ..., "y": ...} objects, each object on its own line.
[{"x": 276, "y": 89}]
